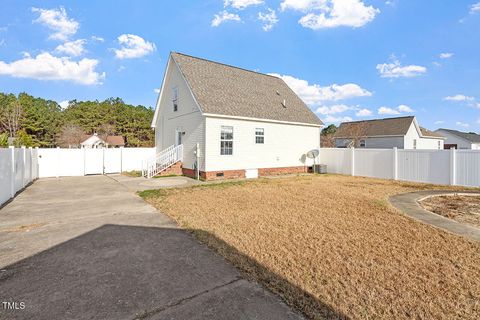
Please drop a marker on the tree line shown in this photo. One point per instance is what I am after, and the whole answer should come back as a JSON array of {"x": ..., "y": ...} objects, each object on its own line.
[{"x": 36, "y": 122}]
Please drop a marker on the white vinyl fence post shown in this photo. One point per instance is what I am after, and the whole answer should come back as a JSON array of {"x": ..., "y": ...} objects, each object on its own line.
[
  {"x": 84, "y": 161},
  {"x": 453, "y": 166},
  {"x": 58, "y": 162},
  {"x": 121, "y": 159},
  {"x": 24, "y": 164},
  {"x": 30, "y": 178},
  {"x": 37, "y": 164},
  {"x": 395, "y": 163},
  {"x": 353, "y": 161},
  {"x": 12, "y": 181}
]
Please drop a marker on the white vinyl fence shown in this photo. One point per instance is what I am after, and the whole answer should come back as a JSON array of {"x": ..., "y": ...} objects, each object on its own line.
[
  {"x": 80, "y": 162},
  {"x": 449, "y": 167},
  {"x": 18, "y": 167}
]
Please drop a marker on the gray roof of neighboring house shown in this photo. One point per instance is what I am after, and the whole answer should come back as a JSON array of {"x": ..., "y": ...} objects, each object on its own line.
[
  {"x": 376, "y": 127},
  {"x": 470, "y": 136},
  {"x": 227, "y": 90},
  {"x": 380, "y": 127}
]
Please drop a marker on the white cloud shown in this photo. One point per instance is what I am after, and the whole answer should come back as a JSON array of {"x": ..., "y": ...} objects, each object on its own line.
[
  {"x": 314, "y": 94},
  {"x": 363, "y": 113},
  {"x": 72, "y": 48},
  {"x": 338, "y": 108},
  {"x": 99, "y": 39},
  {"x": 269, "y": 19},
  {"x": 47, "y": 67},
  {"x": 304, "y": 5},
  {"x": 348, "y": 13},
  {"x": 459, "y": 97},
  {"x": 331, "y": 13},
  {"x": 223, "y": 16},
  {"x": 331, "y": 119},
  {"x": 462, "y": 124},
  {"x": 133, "y": 46},
  {"x": 58, "y": 21},
  {"x": 445, "y": 55},
  {"x": 156, "y": 90},
  {"x": 478, "y": 120},
  {"x": 475, "y": 8},
  {"x": 241, "y": 4},
  {"x": 64, "y": 104},
  {"x": 404, "y": 108},
  {"x": 389, "y": 111},
  {"x": 439, "y": 122},
  {"x": 395, "y": 70}
]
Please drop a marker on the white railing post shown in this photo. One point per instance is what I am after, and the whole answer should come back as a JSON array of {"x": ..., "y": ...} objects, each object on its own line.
[
  {"x": 12, "y": 184},
  {"x": 395, "y": 163},
  {"x": 453, "y": 166},
  {"x": 352, "y": 153}
]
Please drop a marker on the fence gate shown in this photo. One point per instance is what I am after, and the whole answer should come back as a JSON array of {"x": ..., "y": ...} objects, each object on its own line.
[{"x": 94, "y": 161}]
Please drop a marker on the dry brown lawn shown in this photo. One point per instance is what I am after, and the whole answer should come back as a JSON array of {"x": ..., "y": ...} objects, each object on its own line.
[
  {"x": 333, "y": 247},
  {"x": 461, "y": 208}
]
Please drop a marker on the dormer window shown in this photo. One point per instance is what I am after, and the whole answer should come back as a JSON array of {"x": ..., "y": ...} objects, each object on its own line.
[{"x": 175, "y": 98}]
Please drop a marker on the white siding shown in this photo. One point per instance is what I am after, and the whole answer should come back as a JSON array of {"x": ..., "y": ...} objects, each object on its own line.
[
  {"x": 187, "y": 119},
  {"x": 422, "y": 143},
  {"x": 453, "y": 139},
  {"x": 285, "y": 145}
]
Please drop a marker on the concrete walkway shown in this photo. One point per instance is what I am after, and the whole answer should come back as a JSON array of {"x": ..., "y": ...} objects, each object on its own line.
[
  {"x": 408, "y": 203},
  {"x": 88, "y": 248}
]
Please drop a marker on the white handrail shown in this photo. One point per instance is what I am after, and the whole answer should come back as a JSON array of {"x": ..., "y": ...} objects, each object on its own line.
[{"x": 163, "y": 160}]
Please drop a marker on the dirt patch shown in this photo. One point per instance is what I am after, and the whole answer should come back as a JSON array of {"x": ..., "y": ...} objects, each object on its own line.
[
  {"x": 333, "y": 247},
  {"x": 23, "y": 228},
  {"x": 461, "y": 208}
]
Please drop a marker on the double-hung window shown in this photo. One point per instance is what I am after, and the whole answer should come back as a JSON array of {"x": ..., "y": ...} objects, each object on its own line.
[
  {"x": 175, "y": 98},
  {"x": 259, "y": 135},
  {"x": 226, "y": 140}
]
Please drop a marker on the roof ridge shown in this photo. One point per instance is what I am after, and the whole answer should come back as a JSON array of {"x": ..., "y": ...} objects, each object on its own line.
[
  {"x": 226, "y": 64},
  {"x": 368, "y": 120}
]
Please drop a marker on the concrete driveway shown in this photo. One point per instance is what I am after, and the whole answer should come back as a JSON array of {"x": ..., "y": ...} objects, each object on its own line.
[{"x": 89, "y": 248}]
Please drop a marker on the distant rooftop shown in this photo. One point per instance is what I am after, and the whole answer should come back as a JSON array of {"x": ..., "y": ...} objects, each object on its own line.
[{"x": 470, "y": 136}]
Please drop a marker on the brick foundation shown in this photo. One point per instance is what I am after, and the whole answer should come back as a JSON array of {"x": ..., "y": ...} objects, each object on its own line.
[
  {"x": 237, "y": 174},
  {"x": 176, "y": 169}
]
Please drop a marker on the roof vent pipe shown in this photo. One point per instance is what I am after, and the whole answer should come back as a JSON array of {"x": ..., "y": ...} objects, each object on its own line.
[{"x": 284, "y": 103}]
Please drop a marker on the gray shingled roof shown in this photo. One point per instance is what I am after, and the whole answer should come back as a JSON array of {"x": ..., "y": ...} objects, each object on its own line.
[
  {"x": 376, "y": 127},
  {"x": 470, "y": 136},
  {"x": 227, "y": 90}
]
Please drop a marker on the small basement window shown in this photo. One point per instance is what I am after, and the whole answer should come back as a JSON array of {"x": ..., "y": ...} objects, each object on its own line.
[
  {"x": 259, "y": 135},
  {"x": 175, "y": 98},
  {"x": 362, "y": 143},
  {"x": 226, "y": 140}
]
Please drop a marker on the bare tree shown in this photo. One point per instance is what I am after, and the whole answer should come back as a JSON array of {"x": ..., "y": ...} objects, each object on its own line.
[
  {"x": 71, "y": 136},
  {"x": 106, "y": 130},
  {"x": 327, "y": 141},
  {"x": 10, "y": 119},
  {"x": 357, "y": 131}
]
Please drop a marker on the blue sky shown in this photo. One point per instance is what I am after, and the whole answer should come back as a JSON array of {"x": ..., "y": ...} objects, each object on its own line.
[{"x": 348, "y": 59}]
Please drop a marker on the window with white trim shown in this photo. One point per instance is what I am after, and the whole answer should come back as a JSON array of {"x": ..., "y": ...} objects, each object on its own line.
[
  {"x": 259, "y": 136},
  {"x": 175, "y": 98},
  {"x": 226, "y": 140},
  {"x": 439, "y": 145},
  {"x": 414, "y": 143}
]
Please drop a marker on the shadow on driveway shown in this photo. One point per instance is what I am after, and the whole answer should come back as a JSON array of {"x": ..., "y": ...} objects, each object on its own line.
[{"x": 130, "y": 272}]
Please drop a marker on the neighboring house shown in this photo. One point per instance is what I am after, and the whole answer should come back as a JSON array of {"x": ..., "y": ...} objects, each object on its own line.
[
  {"x": 94, "y": 141},
  {"x": 400, "y": 132},
  {"x": 460, "y": 140},
  {"x": 232, "y": 122}
]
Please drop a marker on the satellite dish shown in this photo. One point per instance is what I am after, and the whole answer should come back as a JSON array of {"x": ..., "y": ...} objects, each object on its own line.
[{"x": 312, "y": 154}]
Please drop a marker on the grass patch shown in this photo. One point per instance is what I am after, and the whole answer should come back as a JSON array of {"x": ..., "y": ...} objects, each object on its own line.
[
  {"x": 332, "y": 247},
  {"x": 155, "y": 193},
  {"x": 132, "y": 173}
]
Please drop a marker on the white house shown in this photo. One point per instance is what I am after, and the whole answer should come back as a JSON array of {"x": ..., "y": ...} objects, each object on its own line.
[
  {"x": 460, "y": 140},
  {"x": 94, "y": 141},
  {"x": 400, "y": 132},
  {"x": 230, "y": 122}
]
